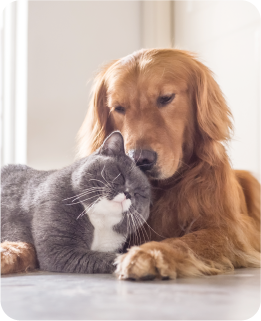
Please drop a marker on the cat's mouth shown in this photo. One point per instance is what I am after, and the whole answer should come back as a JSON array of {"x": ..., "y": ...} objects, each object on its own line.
[{"x": 123, "y": 201}]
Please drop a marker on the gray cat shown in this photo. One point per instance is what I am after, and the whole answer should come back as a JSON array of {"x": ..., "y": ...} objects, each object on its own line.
[{"x": 48, "y": 209}]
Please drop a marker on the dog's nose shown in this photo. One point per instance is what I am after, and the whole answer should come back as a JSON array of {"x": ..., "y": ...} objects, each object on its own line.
[{"x": 144, "y": 159}]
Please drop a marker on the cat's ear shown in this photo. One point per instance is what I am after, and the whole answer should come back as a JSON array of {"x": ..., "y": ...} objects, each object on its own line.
[{"x": 113, "y": 145}]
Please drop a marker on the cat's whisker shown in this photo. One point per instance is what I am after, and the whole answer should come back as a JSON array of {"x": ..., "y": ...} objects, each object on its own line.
[
  {"x": 98, "y": 180},
  {"x": 89, "y": 207},
  {"x": 128, "y": 230},
  {"x": 82, "y": 200},
  {"x": 85, "y": 191},
  {"x": 135, "y": 163},
  {"x": 93, "y": 189},
  {"x": 164, "y": 237},
  {"x": 132, "y": 236},
  {"x": 147, "y": 236},
  {"x": 84, "y": 212},
  {"x": 138, "y": 230},
  {"x": 135, "y": 229},
  {"x": 132, "y": 233},
  {"x": 142, "y": 228},
  {"x": 80, "y": 215},
  {"x": 98, "y": 199},
  {"x": 104, "y": 177},
  {"x": 107, "y": 185},
  {"x": 132, "y": 167},
  {"x": 100, "y": 190},
  {"x": 84, "y": 194},
  {"x": 138, "y": 157},
  {"x": 116, "y": 177}
]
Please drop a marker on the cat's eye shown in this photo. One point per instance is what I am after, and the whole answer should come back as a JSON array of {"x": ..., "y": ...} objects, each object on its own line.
[
  {"x": 120, "y": 110},
  {"x": 139, "y": 194},
  {"x": 163, "y": 101}
]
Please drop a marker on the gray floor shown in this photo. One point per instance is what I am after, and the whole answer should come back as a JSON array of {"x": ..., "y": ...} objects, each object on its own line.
[{"x": 55, "y": 296}]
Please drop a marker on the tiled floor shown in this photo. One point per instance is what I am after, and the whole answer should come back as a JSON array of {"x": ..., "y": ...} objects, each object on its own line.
[{"x": 54, "y": 296}]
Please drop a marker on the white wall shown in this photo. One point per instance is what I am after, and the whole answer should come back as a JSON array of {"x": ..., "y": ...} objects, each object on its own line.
[
  {"x": 67, "y": 41},
  {"x": 157, "y": 24},
  {"x": 1, "y": 86},
  {"x": 226, "y": 35}
]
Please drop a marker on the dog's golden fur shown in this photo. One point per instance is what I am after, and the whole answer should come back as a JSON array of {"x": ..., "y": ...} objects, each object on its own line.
[
  {"x": 17, "y": 257},
  {"x": 208, "y": 214}
]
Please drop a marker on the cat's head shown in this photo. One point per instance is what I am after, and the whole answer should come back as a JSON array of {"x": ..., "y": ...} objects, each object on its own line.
[{"x": 110, "y": 186}]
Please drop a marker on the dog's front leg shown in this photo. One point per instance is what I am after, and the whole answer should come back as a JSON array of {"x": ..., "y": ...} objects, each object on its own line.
[{"x": 205, "y": 252}]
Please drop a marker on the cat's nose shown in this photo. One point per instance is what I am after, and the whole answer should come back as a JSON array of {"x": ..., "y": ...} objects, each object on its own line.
[
  {"x": 127, "y": 195},
  {"x": 144, "y": 159}
]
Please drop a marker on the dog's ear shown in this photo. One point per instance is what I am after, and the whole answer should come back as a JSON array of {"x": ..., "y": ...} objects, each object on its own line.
[
  {"x": 96, "y": 126},
  {"x": 212, "y": 112},
  {"x": 214, "y": 119}
]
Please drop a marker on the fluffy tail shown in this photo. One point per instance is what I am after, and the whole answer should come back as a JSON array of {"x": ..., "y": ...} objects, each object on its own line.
[{"x": 251, "y": 190}]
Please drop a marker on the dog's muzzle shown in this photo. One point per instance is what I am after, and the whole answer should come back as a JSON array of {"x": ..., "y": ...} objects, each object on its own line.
[{"x": 144, "y": 159}]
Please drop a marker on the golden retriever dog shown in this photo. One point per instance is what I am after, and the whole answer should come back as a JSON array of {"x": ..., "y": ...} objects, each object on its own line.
[{"x": 205, "y": 217}]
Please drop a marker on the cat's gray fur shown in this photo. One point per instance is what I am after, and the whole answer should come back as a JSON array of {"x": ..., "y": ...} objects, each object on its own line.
[{"x": 45, "y": 208}]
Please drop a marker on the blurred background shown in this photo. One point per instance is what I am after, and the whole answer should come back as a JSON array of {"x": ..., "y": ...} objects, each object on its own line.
[{"x": 52, "y": 49}]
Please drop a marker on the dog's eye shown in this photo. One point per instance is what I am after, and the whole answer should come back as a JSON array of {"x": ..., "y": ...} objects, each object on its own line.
[
  {"x": 120, "y": 110},
  {"x": 165, "y": 100}
]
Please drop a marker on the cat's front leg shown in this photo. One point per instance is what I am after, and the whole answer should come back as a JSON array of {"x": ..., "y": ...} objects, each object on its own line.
[
  {"x": 72, "y": 260},
  {"x": 17, "y": 257}
]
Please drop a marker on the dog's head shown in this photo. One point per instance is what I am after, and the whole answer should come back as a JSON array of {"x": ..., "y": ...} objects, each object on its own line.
[{"x": 167, "y": 106}]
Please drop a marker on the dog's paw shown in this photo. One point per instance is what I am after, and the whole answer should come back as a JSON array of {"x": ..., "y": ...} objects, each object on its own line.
[
  {"x": 17, "y": 257},
  {"x": 161, "y": 260},
  {"x": 147, "y": 262}
]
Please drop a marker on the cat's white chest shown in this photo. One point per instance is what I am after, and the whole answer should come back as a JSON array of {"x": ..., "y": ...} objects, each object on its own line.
[{"x": 104, "y": 215}]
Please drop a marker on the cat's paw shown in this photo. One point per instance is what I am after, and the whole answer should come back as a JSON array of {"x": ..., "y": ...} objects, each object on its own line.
[
  {"x": 149, "y": 261},
  {"x": 17, "y": 257},
  {"x": 110, "y": 266}
]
